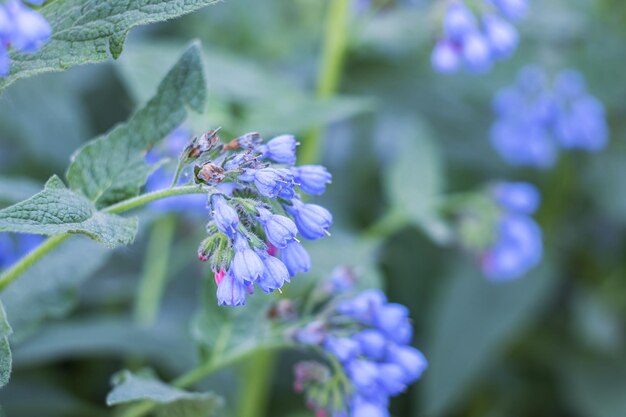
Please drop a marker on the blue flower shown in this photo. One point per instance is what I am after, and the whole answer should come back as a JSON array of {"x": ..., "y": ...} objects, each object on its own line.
[
  {"x": 372, "y": 343},
  {"x": 343, "y": 348},
  {"x": 295, "y": 258},
  {"x": 364, "y": 408},
  {"x": 501, "y": 36},
  {"x": 13, "y": 246},
  {"x": 247, "y": 266},
  {"x": 393, "y": 320},
  {"x": 476, "y": 52},
  {"x": 271, "y": 182},
  {"x": 458, "y": 21},
  {"x": 364, "y": 375},
  {"x": 518, "y": 248},
  {"x": 392, "y": 378},
  {"x": 445, "y": 57},
  {"x": 312, "y": 179},
  {"x": 29, "y": 30},
  {"x": 364, "y": 306},
  {"x": 226, "y": 218},
  {"x": 274, "y": 275},
  {"x": 411, "y": 361},
  {"x": 5, "y": 61},
  {"x": 520, "y": 197},
  {"x": 312, "y": 220},
  {"x": 281, "y": 149},
  {"x": 512, "y": 9},
  {"x": 279, "y": 230},
  {"x": 231, "y": 292}
]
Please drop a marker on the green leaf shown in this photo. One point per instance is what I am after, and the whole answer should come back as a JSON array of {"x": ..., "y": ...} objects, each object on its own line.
[
  {"x": 129, "y": 387},
  {"x": 92, "y": 31},
  {"x": 48, "y": 288},
  {"x": 57, "y": 210},
  {"x": 112, "y": 167},
  {"x": 472, "y": 322},
  {"x": 5, "y": 351},
  {"x": 414, "y": 176}
]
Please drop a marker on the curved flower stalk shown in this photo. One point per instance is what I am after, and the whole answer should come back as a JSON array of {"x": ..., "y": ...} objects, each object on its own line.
[
  {"x": 256, "y": 211},
  {"x": 534, "y": 118},
  {"x": 22, "y": 29},
  {"x": 476, "y": 33},
  {"x": 188, "y": 205},
  {"x": 14, "y": 246},
  {"x": 365, "y": 341}
]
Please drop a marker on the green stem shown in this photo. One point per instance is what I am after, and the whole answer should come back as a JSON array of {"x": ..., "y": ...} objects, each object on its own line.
[
  {"x": 254, "y": 394},
  {"x": 27, "y": 261},
  {"x": 331, "y": 66},
  {"x": 155, "y": 270},
  {"x": 199, "y": 373}
]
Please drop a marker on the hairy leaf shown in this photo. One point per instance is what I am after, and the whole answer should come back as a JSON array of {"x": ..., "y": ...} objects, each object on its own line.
[
  {"x": 5, "y": 350},
  {"x": 92, "y": 31},
  {"x": 57, "y": 210},
  {"x": 129, "y": 387},
  {"x": 112, "y": 167}
]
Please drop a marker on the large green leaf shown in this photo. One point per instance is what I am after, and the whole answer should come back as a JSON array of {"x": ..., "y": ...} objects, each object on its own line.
[
  {"x": 57, "y": 210},
  {"x": 112, "y": 167},
  {"x": 92, "y": 31},
  {"x": 129, "y": 387},
  {"x": 414, "y": 176},
  {"x": 473, "y": 321},
  {"x": 5, "y": 350},
  {"x": 48, "y": 288}
]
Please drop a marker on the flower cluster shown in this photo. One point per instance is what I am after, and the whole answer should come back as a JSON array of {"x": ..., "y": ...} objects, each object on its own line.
[
  {"x": 256, "y": 211},
  {"x": 474, "y": 39},
  {"x": 535, "y": 118},
  {"x": 14, "y": 246},
  {"x": 367, "y": 341},
  {"x": 518, "y": 245},
  {"x": 189, "y": 204},
  {"x": 21, "y": 28}
]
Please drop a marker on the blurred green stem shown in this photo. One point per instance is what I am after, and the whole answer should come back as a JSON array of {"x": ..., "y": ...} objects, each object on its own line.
[
  {"x": 155, "y": 270},
  {"x": 255, "y": 391},
  {"x": 329, "y": 74},
  {"x": 27, "y": 261},
  {"x": 216, "y": 363}
]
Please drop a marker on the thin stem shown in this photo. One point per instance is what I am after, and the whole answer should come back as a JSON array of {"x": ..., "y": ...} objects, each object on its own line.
[
  {"x": 146, "y": 198},
  {"x": 255, "y": 373},
  {"x": 199, "y": 373},
  {"x": 27, "y": 261},
  {"x": 331, "y": 65},
  {"x": 156, "y": 261}
]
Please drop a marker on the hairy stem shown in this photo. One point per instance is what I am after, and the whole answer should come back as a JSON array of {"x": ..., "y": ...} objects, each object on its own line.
[
  {"x": 27, "y": 261},
  {"x": 154, "y": 278},
  {"x": 331, "y": 65}
]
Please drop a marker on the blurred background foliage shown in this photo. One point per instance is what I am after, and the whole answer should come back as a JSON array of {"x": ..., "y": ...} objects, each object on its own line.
[{"x": 398, "y": 137}]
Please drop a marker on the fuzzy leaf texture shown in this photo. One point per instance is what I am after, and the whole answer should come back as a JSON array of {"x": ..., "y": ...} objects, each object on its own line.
[
  {"x": 57, "y": 210},
  {"x": 92, "y": 31},
  {"x": 172, "y": 401},
  {"x": 111, "y": 167},
  {"x": 5, "y": 351}
]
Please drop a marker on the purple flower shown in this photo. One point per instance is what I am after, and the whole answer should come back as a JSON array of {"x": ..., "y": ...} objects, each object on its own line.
[
  {"x": 372, "y": 343},
  {"x": 364, "y": 375},
  {"x": 247, "y": 266},
  {"x": 501, "y": 36},
  {"x": 445, "y": 57},
  {"x": 517, "y": 249},
  {"x": 271, "y": 182},
  {"x": 343, "y": 348},
  {"x": 312, "y": 220},
  {"x": 231, "y": 292},
  {"x": 410, "y": 360},
  {"x": 393, "y": 320},
  {"x": 30, "y": 30},
  {"x": 368, "y": 409},
  {"x": 274, "y": 275},
  {"x": 13, "y": 246},
  {"x": 295, "y": 258},
  {"x": 312, "y": 179},
  {"x": 279, "y": 230},
  {"x": 281, "y": 149},
  {"x": 519, "y": 197},
  {"x": 226, "y": 218},
  {"x": 476, "y": 53},
  {"x": 458, "y": 21},
  {"x": 364, "y": 306},
  {"x": 392, "y": 378},
  {"x": 512, "y": 9}
]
